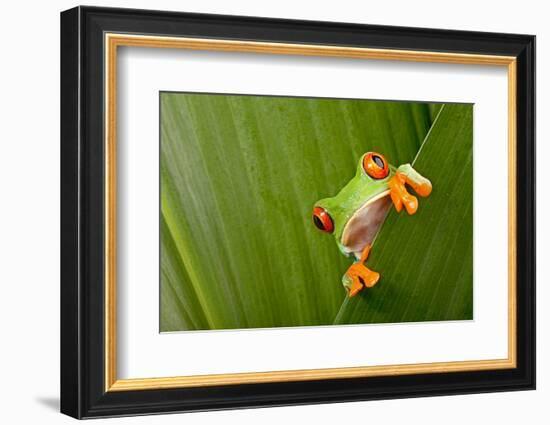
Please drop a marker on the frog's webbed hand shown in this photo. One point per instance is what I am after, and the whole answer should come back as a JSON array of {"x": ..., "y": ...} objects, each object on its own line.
[
  {"x": 398, "y": 192},
  {"x": 359, "y": 276}
]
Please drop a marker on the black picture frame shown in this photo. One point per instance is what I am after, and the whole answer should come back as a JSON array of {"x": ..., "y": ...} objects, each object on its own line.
[{"x": 83, "y": 392}]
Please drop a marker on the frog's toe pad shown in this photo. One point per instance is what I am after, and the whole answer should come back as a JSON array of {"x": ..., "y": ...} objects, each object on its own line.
[
  {"x": 354, "y": 290},
  {"x": 369, "y": 279}
]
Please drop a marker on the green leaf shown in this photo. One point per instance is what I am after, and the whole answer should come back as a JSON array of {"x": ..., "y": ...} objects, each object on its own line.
[
  {"x": 425, "y": 260},
  {"x": 239, "y": 177}
]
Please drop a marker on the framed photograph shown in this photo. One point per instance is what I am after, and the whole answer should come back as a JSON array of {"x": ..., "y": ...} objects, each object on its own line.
[{"x": 261, "y": 212}]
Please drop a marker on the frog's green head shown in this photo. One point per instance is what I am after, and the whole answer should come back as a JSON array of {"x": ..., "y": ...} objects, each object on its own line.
[{"x": 356, "y": 213}]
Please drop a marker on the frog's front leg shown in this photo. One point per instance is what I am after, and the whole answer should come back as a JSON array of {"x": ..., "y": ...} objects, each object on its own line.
[
  {"x": 398, "y": 192},
  {"x": 359, "y": 276}
]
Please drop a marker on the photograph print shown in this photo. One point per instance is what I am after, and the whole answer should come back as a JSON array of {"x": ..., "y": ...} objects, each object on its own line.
[{"x": 292, "y": 211}]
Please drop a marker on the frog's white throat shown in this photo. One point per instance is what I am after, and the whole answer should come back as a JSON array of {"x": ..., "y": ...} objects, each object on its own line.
[{"x": 363, "y": 226}]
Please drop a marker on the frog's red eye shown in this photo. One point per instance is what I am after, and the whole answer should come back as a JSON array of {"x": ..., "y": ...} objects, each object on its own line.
[
  {"x": 322, "y": 220},
  {"x": 375, "y": 165}
]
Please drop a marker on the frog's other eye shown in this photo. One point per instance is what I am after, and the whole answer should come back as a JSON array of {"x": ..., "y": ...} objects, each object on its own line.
[
  {"x": 322, "y": 220},
  {"x": 375, "y": 165}
]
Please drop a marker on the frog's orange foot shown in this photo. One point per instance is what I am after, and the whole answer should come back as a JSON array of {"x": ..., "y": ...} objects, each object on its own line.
[
  {"x": 400, "y": 196},
  {"x": 359, "y": 276},
  {"x": 398, "y": 192},
  {"x": 355, "y": 288}
]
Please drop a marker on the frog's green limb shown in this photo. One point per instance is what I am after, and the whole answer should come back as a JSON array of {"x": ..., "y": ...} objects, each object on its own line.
[
  {"x": 414, "y": 179},
  {"x": 400, "y": 196},
  {"x": 359, "y": 276},
  {"x": 398, "y": 192}
]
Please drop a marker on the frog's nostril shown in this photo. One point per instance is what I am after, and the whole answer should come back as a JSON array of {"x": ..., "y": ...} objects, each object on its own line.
[{"x": 322, "y": 220}]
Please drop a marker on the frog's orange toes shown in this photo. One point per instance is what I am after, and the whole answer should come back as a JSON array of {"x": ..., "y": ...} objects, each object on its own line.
[
  {"x": 355, "y": 288},
  {"x": 421, "y": 185},
  {"x": 400, "y": 196},
  {"x": 414, "y": 179},
  {"x": 366, "y": 275},
  {"x": 361, "y": 277},
  {"x": 369, "y": 278}
]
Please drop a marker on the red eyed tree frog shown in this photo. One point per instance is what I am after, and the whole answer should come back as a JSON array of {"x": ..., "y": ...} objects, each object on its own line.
[{"x": 357, "y": 212}]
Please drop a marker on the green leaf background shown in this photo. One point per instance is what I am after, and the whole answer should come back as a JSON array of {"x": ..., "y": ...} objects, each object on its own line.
[{"x": 239, "y": 177}]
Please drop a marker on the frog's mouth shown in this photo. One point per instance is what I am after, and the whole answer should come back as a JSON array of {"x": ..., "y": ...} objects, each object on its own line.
[{"x": 363, "y": 226}]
